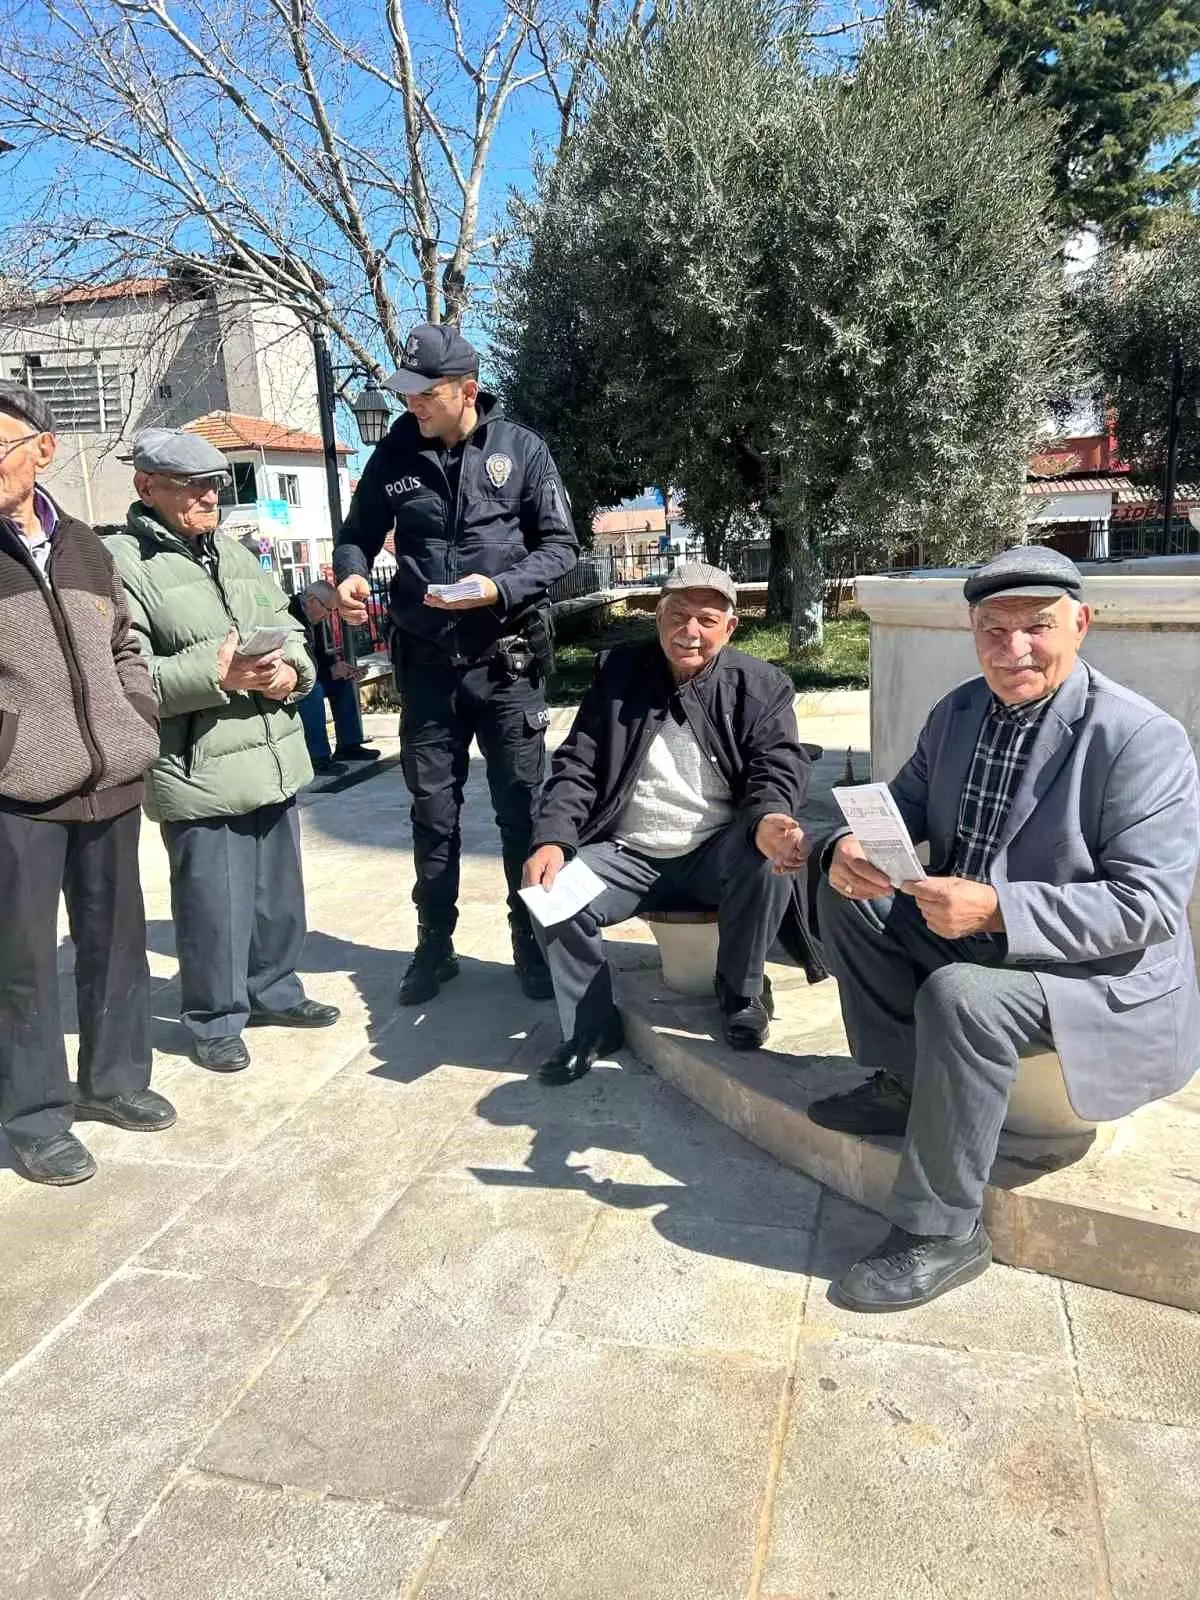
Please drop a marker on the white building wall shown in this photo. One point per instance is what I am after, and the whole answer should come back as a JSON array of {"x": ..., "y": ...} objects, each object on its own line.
[
  {"x": 302, "y": 537},
  {"x": 286, "y": 369},
  {"x": 178, "y": 360}
]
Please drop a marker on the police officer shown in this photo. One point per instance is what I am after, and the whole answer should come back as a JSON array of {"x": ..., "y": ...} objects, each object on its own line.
[{"x": 471, "y": 497}]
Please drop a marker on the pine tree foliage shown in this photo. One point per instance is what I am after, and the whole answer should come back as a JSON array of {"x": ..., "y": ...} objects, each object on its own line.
[{"x": 1120, "y": 75}]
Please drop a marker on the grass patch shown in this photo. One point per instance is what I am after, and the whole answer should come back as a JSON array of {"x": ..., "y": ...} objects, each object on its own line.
[{"x": 841, "y": 663}]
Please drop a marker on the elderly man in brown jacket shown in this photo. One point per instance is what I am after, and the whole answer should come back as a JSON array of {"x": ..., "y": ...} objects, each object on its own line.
[{"x": 78, "y": 727}]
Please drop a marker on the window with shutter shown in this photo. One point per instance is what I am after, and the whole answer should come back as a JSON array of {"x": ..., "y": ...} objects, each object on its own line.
[{"x": 87, "y": 397}]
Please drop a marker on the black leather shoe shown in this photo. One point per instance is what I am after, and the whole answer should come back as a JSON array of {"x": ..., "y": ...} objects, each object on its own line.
[
  {"x": 308, "y": 1014},
  {"x": 532, "y": 972},
  {"x": 141, "y": 1111},
  {"x": 910, "y": 1269},
  {"x": 59, "y": 1159},
  {"x": 571, "y": 1060},
  {"x": 355, "y": 752},
  {"x": 745, "y": 1018},
  {"x": 433, "y": 964},
  {"x": 222, "y": 1055},
  {"x": 880, "y": 1105}
]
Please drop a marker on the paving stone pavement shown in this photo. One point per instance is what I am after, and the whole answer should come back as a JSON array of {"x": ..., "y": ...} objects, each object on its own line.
[{"x": 381, "y": 1319}]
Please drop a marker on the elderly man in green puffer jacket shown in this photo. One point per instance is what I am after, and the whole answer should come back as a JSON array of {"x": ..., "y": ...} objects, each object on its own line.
[{"x": 232, "y": 754}]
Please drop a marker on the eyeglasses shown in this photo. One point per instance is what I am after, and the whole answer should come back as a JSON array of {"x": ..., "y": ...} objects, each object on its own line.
[
  {"x": 197, "y": 485},
  {"x": 7, "y": 450}
]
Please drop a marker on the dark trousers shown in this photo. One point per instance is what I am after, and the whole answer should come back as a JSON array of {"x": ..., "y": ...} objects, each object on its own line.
[
  {"x": 95, "y": 865},
  {"x": 444, "y": 707},
  {"x": 726, "y": 872},
  {"x": 950, "y": 1020},
  {"x": 237, "y": 896},
  {"x": 347, "y": 719}
]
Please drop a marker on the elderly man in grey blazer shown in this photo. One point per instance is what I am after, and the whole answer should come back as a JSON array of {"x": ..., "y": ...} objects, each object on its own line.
[{"x": 1062, "y": 815}]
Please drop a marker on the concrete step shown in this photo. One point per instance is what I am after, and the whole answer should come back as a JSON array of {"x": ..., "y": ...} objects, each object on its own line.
[{"x": 1119, "y": 1211}]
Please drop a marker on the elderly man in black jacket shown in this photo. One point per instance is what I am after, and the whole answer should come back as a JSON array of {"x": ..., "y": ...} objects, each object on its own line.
[{"x": 679, "y": 783}]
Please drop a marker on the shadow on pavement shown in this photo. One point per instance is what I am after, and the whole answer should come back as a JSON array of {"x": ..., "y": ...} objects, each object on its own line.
[{"x": 720, "y": 1196}]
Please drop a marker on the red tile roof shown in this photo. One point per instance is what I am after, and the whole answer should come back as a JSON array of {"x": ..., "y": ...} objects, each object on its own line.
[
  {"x": 229, "y": 431},
  {"x": 123, "y": 289}
]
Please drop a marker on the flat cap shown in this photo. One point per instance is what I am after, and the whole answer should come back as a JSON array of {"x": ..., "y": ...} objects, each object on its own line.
[
  {"x": 434, "y": 350},
  {"x": 177, "y": 452},
  {"x": 699, "y": 575},
  {"x": 17, "y": 400},
  {"x": 1031, "y": 570}
]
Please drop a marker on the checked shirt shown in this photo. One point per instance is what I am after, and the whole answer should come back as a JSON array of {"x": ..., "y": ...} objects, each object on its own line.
[{"x": 1001, "y": 756}]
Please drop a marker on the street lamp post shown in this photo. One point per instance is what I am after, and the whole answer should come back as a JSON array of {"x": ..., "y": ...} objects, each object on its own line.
[{"x": 373, "y": 416}]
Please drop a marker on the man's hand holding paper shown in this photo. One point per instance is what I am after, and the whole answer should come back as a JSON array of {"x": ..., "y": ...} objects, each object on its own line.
[
  {"x": 851, "y": 874},
  {"x": 881, "y": 834},
  {"x": 955, "y": 908}
]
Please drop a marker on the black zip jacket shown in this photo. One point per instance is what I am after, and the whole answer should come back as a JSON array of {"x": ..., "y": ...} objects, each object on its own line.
[
  {"x": 509, "y": 521},
  {"x": 740, "y": 710},
  {"x": 318, "y": 640}
]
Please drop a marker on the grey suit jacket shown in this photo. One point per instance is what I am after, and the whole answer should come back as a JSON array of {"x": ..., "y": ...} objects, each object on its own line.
[{"x": 1095, "y": 868}]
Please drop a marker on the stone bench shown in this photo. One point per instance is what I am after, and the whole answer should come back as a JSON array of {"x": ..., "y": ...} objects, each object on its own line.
[
  {"x": 687, "y": 948},
  {"x": 1038, "y": 1107}
]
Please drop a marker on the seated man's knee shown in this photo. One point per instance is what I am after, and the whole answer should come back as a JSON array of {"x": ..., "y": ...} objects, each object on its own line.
[{"x": 957, "y": 988}]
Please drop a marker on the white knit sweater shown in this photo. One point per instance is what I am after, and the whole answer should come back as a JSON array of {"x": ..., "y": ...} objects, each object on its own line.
[{"x": 679, "y": 800}]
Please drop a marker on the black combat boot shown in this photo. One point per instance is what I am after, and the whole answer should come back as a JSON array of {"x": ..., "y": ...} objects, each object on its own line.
[
  {"x": 433, "y": 964},
  {"x": 532, "y": 972}
]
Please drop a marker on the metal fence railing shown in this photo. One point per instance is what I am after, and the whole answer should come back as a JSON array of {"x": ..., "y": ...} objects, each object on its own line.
[{"x": 618, "y": 569}]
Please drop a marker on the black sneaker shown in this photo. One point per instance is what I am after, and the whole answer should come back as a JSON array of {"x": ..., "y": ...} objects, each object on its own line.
[
  {"x": 880, "y": 1105},
  {"x": 59, "y": 1159},
  {"x": 910, "y": 1269},
  {"x": 355, "y": 752},
  {"x": 328, "y": 769},
  {"x": 433, "y": 964},
  {"x": 532, "y": 972},
  {"x": 571, "y": 1060}
]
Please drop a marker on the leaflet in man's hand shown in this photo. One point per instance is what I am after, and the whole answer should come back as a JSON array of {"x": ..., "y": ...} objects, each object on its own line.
[
  {"x": 464, "y": 589},
  {"x": 876, "y": 822},
  {"x": 575, "y": 887}
]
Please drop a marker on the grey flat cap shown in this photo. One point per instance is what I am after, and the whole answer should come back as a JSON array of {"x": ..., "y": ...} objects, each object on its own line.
[
  {"x": 177, "y": 452},
  {"x": 17, "y": 400},
  {"x": 699, "y": 575},
  {"x": 1030, "y": 570}
]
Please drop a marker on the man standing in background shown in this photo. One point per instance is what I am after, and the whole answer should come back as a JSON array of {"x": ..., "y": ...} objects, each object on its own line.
[
  {"x": 312, "y": 609},
  {"x": 78, "y": 727},
  {"x": 474, "y": 500}
]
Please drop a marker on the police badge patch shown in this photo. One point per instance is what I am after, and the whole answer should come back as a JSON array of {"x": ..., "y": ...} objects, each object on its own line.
[
  {"x": 412, "y": 349},
  {"x": 498, "y": 468}
]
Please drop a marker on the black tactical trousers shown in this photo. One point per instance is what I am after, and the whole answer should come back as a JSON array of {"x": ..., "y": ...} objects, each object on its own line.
[{"x": 443, "y": 708}]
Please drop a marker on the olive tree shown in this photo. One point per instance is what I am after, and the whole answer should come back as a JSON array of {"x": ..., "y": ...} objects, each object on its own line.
[{"x": 831, "y": 296}]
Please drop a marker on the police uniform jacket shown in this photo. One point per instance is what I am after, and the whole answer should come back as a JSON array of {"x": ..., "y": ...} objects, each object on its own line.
[
  {"x": 508, "y": 521},
  {"x": 740, "y": 710}
]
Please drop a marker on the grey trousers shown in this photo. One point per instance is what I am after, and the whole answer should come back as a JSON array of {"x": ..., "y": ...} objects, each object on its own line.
[
  {"x": 952, "y": 1021},
  {"x": 95, "y": 866},
  {"x": 237, "y": 896},
  {"x": 726, "y": 872}
]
